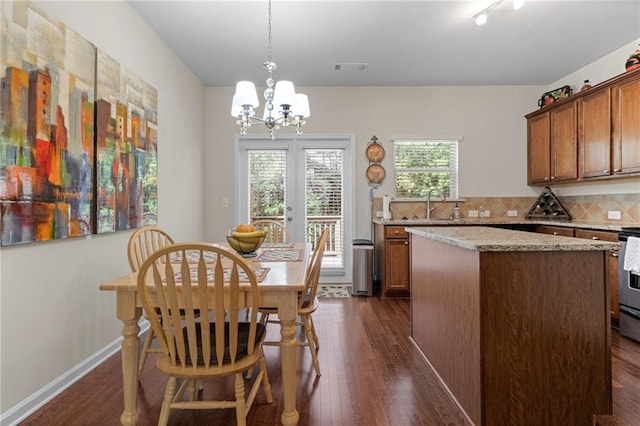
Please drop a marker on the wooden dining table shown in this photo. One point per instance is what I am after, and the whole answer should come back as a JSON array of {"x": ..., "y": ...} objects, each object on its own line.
[{"x": 279, "y": 287}]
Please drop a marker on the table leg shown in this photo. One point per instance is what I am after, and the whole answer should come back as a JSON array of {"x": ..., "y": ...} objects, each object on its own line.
[
  {"x": 129, "y": 315},
  {"x": 287, "y": 311}
]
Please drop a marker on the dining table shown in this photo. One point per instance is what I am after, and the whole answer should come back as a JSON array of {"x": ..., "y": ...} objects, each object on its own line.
[{"x": 283, "y": 270}]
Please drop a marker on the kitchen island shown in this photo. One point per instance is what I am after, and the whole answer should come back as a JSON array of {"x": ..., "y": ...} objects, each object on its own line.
[{"x": 515, "y": 324}]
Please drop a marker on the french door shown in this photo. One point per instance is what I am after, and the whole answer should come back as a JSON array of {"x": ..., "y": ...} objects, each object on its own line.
[{"x": 304, "y": 182}]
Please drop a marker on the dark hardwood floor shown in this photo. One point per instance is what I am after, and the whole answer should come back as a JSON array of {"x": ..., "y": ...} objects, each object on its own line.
[{"x": 371, "y": 375}]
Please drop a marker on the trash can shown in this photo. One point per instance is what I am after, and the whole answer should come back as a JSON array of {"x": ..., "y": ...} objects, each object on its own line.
[{"x": 362, "y": 268}]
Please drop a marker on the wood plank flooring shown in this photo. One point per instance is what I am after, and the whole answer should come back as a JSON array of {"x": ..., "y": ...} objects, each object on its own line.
[{"x": 371, "y": 375}]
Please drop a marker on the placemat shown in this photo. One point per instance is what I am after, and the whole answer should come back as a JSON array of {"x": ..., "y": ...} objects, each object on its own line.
[
  {"x": 193, "y": 256},
  {"x": 261, "y": 273},
  {"x": 277, "y": 245},
  {"x": 280, "y": 255}
]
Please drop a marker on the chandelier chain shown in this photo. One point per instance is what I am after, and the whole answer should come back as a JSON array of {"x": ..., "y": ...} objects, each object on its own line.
[{"x": 269, "y": 30}]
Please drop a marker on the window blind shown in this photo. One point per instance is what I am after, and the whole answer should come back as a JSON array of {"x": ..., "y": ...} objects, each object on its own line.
[{"x": 422, "y": 165}]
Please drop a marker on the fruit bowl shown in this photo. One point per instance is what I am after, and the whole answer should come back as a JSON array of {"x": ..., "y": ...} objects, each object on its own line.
[{"x": 246, "y": 243}]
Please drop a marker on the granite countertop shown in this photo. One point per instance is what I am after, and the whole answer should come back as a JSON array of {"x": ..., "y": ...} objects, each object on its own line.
[
  {"x": 482, "y": 238},
  {"x": 604, "y": 226}
]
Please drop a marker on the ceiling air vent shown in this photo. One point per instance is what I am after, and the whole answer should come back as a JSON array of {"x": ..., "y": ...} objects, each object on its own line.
[{"x": 350, "y": 66}]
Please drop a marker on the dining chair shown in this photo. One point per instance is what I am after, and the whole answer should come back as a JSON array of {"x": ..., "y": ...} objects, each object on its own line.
[
  {"x": 143, "y": 242},
  {"x": 277, "y": 232},
  {"x": 307, "y": 302},
  {"x": 216, "y": 348}
]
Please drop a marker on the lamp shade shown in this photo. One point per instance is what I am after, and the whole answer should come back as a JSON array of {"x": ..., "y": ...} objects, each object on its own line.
[
  {"x": 246, "y": 94},
  {"x": 301, "y": 106},
  {"x": 285, "y": 94}
]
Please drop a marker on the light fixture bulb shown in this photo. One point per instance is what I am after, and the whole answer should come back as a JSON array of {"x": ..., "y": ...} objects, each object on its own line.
[
  {"x": 517, "y": 4},
  {"x": 481, "y": 19}
]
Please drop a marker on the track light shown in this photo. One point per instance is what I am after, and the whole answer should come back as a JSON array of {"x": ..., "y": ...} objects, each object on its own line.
[{"x": 482, "y": 16}]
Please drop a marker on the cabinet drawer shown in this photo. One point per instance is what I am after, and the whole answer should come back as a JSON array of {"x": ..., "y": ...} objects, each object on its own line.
[
  {"x": 555, "y": 230},
  {"x": 395, "y": 232},
  {"x": 597, "y": 235}
]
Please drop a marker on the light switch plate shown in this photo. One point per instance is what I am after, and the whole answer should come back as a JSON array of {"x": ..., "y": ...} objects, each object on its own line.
[
  {"x": 485, "y": 213},
  {"x": 473, "y": 213},
  {"x": 512, "y": 213},
  {"x": 613, "y": 214},
  {"x": 379, "y": 213}
]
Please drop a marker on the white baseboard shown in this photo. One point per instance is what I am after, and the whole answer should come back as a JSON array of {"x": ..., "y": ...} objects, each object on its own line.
[{"x": 29, "y": 405}]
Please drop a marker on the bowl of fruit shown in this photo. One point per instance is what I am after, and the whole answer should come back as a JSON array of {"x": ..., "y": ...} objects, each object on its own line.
[{"x": 245, "y": 239}]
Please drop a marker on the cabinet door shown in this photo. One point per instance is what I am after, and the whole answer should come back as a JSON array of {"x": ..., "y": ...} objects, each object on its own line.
[
  {"x": 594, "y": 137},
  {"x": 626, "y": 127},
  {"x": 564, "y": 143},
  {"x": 538, "y": 149},
  {"x": 397, "y": 265}
]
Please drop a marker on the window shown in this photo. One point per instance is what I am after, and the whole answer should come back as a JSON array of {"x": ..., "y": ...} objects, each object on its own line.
[
  {"x": 267, "y": 185},
  {"x": 422, "y": 165}
]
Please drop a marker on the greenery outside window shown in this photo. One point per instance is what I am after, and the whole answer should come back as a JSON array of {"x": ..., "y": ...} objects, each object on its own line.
[{"x": 423, "y": 165}]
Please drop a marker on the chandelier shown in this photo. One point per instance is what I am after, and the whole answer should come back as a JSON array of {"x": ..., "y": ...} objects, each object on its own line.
[{"x": 283, "y": 106}]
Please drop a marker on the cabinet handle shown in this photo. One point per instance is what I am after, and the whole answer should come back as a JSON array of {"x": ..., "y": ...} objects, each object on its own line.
[
  {"x": 546, "y": 178},
  {"x": 555, "y": 233},
  {"x": 605, "y": 171},
  {"x": 406, "y": 243},
  {"x": 616, "y": 170},
  {"x": 397, "y": 232},
  {"x": 553, "y": 177},
  {"x": 614, "y": 254},
  {"x": 595, "y": 238}
]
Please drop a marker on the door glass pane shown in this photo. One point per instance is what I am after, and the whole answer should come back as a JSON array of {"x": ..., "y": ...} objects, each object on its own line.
[
  {"x": 324, "y": 180},
  {"x": 267, "y": 185}
]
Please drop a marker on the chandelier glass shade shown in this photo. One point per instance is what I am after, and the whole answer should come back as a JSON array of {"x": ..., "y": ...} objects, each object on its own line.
[{"x": 283, "y": 106}]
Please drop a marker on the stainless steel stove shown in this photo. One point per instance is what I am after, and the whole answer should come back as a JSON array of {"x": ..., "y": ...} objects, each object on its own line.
[{"x": 629, "y": 290}]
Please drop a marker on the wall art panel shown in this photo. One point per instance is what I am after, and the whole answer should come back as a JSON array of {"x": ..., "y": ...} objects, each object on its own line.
[
  {"x": 126, "y": 148},
  {"x": 47, "y": 92}
]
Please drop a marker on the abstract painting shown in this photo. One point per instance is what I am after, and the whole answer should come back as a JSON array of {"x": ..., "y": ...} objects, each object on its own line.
[
  {"x": 47, "y": 92},
  {"x": 126, "y": 148}
]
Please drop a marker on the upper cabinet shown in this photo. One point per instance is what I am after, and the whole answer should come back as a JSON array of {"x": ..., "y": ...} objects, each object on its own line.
[
  {"x": 626, "y": 126},
  {"x": 553, "y": 146},
  {"x": 594, "y": 134}
]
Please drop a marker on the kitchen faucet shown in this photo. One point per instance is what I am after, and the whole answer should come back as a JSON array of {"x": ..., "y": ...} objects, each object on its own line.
[{"x": 429, "y": 208}]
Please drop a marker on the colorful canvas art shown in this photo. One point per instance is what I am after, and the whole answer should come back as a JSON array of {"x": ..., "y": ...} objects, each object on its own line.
[
  {"x": 126, "y": 148},
  {"x": 47, "y": 91}
]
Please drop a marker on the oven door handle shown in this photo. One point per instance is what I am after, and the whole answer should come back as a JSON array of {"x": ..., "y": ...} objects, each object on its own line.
[{"x": 633, "y": 313}]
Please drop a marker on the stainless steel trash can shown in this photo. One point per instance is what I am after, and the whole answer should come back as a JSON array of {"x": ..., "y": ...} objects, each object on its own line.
[{"x": 362, "y": 268}]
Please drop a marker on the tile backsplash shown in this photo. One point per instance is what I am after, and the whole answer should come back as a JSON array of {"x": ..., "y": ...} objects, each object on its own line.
[{"x": 584, "y": 208}]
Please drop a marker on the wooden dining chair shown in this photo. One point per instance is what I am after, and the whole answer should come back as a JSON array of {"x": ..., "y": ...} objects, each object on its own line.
[
  {"x": 217, "y": 348},
  {"x": 142, "y": 243},
  {"x": 307, "y": 302},
  {"x": 277, "y": 232}
]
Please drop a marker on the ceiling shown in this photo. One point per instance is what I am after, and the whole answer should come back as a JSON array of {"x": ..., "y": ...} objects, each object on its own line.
[{"x": 404, "y": 43}]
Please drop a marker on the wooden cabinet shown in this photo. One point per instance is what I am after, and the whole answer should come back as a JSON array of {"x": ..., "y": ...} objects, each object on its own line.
[
  {"x": 611, "y": 272},
  {"x": 594, "y": 134},
  {"x": 626, "y": 126},
  {"x": 392, "y": 260},
  {"x": 553, "y": 146}
]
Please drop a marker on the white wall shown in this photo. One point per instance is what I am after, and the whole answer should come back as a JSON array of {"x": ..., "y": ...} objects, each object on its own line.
[
  {"x": 53, "y": 316},
  {"x": 493, "y": 152},
  {"x": 489, "y": 119},
  {"x": 603, "y": 69}
]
